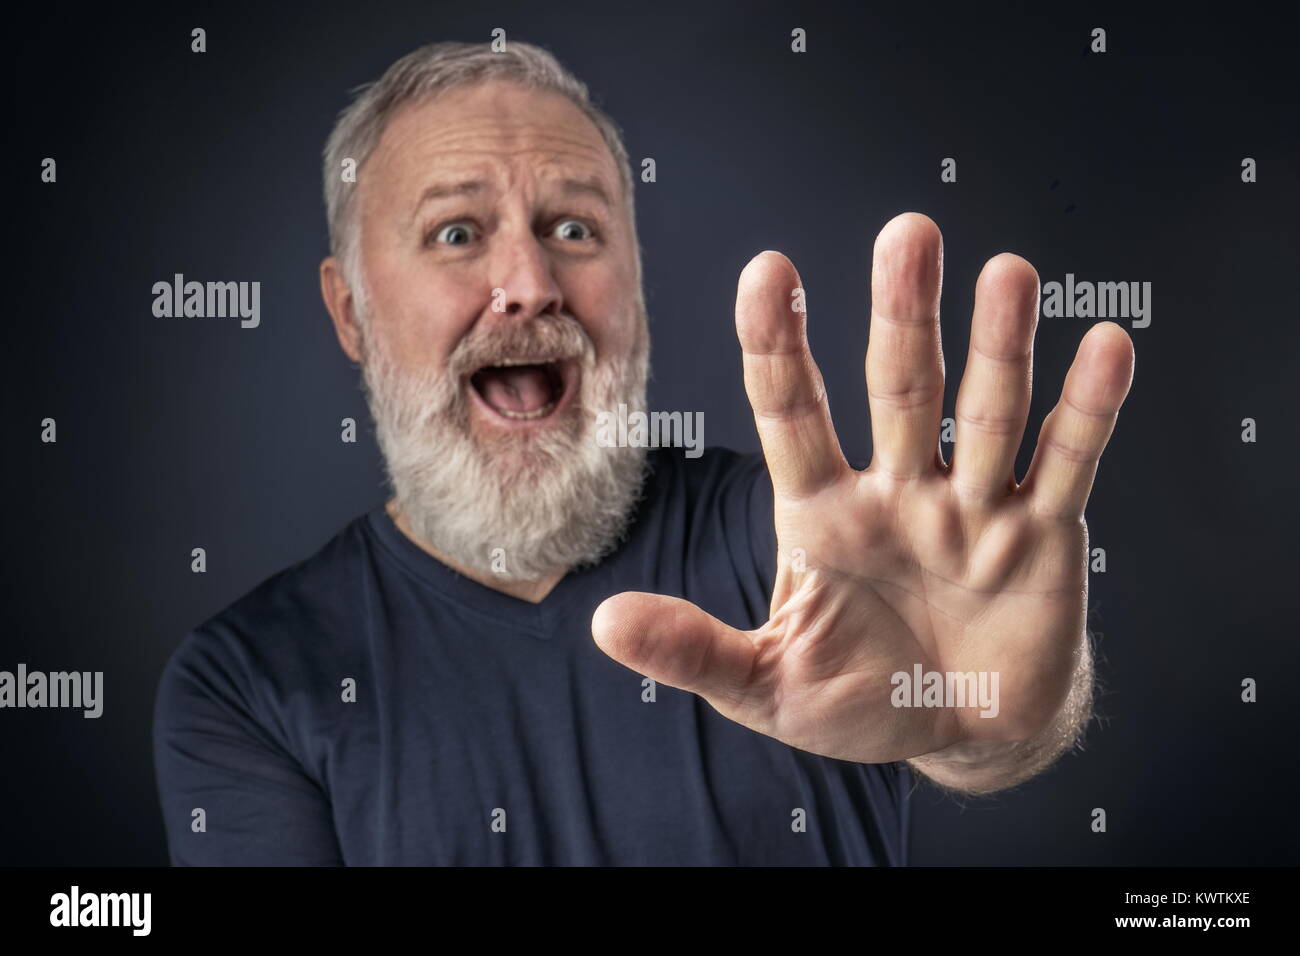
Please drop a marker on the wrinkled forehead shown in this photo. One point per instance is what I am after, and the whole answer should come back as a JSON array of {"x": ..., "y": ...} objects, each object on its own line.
[{"x": 485, "y": 140}]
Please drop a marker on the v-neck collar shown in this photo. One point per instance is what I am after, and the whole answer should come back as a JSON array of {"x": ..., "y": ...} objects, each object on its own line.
[{"x": 503, "y": 609}]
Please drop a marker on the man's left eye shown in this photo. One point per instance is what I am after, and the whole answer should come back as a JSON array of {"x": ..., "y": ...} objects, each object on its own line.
[{"x": 573, "y": 229}]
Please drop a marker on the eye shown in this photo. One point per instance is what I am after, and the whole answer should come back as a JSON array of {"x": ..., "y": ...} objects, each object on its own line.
[
  {"x": 573, "y": 229},
  {"x": 457, "y": 234}
]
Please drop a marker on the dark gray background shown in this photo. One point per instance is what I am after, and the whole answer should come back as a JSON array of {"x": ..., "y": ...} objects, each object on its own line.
[{"x": 177, "y": 433}]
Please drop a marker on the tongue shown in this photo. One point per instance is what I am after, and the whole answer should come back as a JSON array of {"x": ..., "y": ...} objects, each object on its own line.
[{"x": 518, "y": 388}]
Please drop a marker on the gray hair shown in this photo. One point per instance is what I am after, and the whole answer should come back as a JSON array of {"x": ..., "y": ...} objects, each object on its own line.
[{"x": 424, "y": 74}]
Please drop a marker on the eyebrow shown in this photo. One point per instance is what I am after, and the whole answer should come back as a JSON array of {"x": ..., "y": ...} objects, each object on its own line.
[
  {"x": 590, "y": 186},
  {"x": 467, "y": 187}
]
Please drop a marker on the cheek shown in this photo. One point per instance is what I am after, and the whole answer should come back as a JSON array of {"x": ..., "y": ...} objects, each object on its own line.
[
  {"x": 605, "y": 304},
  {"x": 426, "y": 318}
]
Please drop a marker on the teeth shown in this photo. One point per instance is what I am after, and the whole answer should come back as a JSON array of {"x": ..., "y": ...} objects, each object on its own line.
[
  {"x": 524, "y": 416},
  {"x": 507, "y": 363}
]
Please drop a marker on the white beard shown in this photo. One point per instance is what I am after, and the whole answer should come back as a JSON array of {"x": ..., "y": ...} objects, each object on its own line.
[{"x": 549, "y": 502}]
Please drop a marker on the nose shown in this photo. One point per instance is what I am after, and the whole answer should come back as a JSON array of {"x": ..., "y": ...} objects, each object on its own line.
[{"x": 525, "y": 279}]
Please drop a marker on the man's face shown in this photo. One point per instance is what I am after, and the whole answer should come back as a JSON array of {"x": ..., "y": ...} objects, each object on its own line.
[
  {"x": 497, "y": 187},
  {"x": 503, "y": 311}
]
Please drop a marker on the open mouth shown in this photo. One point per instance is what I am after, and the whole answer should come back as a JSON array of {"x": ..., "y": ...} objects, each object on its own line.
[{"x": 524, "y": 389}]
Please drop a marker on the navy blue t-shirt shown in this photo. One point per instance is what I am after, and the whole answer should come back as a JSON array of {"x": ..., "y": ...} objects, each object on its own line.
[{"x": 489, "y": 730}]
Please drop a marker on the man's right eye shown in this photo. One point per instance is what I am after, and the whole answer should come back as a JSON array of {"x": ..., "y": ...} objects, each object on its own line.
[{"x": 457, "y": 234}]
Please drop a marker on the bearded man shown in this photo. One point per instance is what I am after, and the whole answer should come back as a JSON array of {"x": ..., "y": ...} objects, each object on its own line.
[{"x": 547, "y": 650}]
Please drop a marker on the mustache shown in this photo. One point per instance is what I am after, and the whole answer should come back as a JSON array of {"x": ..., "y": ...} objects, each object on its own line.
[{"x": 545, "y": 337}]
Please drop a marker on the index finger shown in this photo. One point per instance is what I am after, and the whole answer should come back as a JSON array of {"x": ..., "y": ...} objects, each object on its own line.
[{"x": 782, "y": 381}]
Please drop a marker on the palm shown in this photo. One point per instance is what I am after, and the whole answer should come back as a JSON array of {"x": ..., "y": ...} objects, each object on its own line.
[
  {"x": 891, "y": 588},
  {"x": 911, "y": 563}
]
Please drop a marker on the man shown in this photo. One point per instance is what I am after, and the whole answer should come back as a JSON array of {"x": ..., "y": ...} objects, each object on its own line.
[{"x": 547, "y": 650}]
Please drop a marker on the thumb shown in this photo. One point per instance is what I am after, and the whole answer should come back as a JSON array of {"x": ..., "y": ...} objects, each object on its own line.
[{"x": 675, "y": 643}]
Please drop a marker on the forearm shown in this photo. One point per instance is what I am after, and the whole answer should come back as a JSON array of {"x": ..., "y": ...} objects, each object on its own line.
[{"x": 981, "y": 768}]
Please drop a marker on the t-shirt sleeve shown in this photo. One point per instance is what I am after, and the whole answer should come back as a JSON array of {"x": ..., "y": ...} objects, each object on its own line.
[{"x": 212, "y": 752}]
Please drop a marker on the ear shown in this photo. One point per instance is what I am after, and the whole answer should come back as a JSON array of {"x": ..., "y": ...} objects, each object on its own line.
[{"x": 338, "y": 299}]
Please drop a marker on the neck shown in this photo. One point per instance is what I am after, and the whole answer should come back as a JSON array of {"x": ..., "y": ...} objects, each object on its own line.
[{"x": 533, "y": 592}]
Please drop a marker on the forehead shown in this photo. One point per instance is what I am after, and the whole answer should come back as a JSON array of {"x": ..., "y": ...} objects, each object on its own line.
[{"x": 499, "y": 131}]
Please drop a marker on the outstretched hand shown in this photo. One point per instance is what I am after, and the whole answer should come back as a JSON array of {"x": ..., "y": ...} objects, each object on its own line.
[{"x": 952, "y": 567}]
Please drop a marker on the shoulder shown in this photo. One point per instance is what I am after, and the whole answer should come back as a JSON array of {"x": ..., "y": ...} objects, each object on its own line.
[
  {"x": 721, "y": 504},
  {"x": 716, "y": 472},
  {"x": 286, "y": 633}
]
